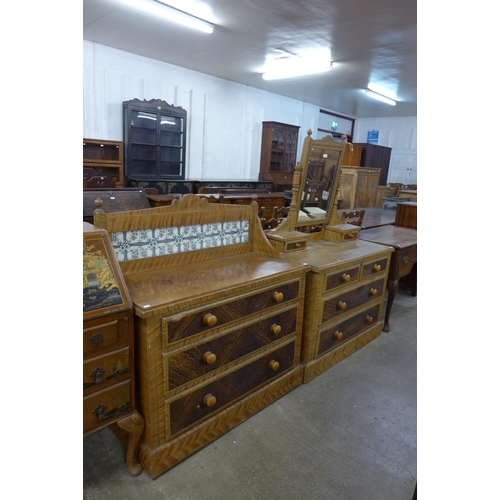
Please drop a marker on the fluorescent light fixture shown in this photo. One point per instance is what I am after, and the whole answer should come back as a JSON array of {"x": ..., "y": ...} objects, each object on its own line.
[
  {"x": 380, "y": 97},
  {"x": 297, "y": 68},
  {"x": 181, "y": 17}
]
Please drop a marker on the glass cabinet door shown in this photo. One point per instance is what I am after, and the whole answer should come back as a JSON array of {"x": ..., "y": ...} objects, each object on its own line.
[{"x": 155, "y": 140}]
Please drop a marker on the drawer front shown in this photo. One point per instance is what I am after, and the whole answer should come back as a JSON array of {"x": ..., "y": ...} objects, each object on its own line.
[
  {"x": 104, "y": 406},
  {"x": 293, "y": 246},
  {"x": 350, "y": 236},
  {"x": 346, "y": 302},
  {"x": 102, "y": 371},
  {"x": 376, "y": 267},
  {"x": 406, "y": 259},
  {"x": 213, "y": 317},
  {"x": 105, "y": 334},
  {"x": 349, "y": 328},
  {"x": 192, "y": 363},
  {"x": 342, "y": 278},
  {"x": 219, "y": 393}
]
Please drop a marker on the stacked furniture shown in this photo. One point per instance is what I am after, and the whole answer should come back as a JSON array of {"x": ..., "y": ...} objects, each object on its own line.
[
  {"x": 105, "y": 158},
  {"x": 347, "y": 277},
  {"x": 218, "y": 320}
]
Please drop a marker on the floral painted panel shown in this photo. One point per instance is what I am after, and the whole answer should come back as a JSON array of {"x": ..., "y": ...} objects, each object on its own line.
[{"x": 141, "y": 244}]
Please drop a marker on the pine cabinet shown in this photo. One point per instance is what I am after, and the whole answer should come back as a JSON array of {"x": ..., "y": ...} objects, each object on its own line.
[
  {"x": 278, "y": 154},
  {"x": 155, "y": 141},
  {"x": 358, "y": 187}
]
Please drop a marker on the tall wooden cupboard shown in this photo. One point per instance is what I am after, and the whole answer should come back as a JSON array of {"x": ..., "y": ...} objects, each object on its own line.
[{"x": 375, "y": 156}]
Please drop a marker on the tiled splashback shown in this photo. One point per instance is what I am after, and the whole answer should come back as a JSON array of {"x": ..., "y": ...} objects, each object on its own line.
[{"x": 144, "y": 243}]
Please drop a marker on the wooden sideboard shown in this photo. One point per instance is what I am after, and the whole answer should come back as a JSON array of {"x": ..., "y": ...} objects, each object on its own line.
[
  {"x": 218, "y": 321},
  {"x": 108, "y": 345}
]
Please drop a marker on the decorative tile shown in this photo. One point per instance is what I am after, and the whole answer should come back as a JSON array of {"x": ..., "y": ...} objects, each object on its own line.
[{"x": 141, "y": 244}]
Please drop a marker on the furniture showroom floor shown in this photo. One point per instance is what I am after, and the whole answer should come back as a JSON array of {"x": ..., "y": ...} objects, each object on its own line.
[{"x": 350, "y": 434}]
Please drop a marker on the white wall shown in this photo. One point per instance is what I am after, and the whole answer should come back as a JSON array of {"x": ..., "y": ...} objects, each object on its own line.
[
  {"x": 224, "y": 118},
  {"x": 400, "y": 134}
]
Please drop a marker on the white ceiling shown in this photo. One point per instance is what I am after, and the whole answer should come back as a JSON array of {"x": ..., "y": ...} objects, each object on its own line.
[{"x": 369, "y": 42}]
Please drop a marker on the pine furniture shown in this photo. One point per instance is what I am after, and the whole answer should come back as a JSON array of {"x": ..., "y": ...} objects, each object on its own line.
[{"x": 218, "y": 321}]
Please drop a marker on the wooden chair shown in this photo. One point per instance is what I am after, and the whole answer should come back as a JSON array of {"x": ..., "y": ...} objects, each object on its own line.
[
  {"x": 100, "y": 181},
  {"x": 355, "y": 217},
  {"x": 280, "y": 213}
]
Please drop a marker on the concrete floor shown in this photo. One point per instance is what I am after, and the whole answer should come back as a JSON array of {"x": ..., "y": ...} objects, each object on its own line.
[{"x": 350, "y": 434}]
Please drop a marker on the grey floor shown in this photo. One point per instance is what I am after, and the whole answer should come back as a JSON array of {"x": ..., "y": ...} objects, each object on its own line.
[{"x": 350, "y": 434}]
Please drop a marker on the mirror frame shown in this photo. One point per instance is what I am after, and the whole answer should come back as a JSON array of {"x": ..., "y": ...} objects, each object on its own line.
[{"x": 315, "y": 228}]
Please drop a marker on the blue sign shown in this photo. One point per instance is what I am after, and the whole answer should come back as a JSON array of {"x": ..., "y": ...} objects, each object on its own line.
[{"x": 372, "y": 137}]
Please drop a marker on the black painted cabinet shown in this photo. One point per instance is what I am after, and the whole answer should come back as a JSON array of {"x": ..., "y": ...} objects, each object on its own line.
[{"x": 375, "y": 156}]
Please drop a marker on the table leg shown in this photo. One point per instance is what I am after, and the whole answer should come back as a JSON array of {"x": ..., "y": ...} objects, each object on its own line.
[
  {"x": 134, "y": 425},
  {"x": 392, "y": 287}
]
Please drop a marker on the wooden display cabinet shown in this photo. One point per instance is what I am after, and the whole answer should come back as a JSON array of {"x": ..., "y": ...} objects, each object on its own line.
[
  {"x": 218, "y": 320},
  {"x": 108, "y": 345},
  {"x": 106, "y": 157},
  {"x": 278, "y": 154},
  {"x": 154, "y": 135}
]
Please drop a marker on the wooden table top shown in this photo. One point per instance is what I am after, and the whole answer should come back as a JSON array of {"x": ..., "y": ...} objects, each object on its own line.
[{"x": 394, "y": 236}]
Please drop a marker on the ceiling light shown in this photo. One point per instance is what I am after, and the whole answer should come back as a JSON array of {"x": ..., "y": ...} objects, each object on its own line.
[
  {"x": 380, "y": 97},
  {"x": 297, "y": 69},
  {"x": 186, "y": 19}
]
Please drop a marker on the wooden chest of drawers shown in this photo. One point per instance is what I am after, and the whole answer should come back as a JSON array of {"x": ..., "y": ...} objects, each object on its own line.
[
  {"x": 108, "y": 345},
  {"x": 344, "y": 298},
  {"x": 217, "y": 330}
]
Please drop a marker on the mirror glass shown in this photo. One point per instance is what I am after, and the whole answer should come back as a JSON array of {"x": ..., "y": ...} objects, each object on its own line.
[{"x": 322, "y": 161}]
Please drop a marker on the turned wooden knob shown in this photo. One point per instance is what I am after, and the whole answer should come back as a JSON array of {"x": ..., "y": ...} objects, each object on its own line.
[
  {"x": 276, "y": 329},
  {"x": 209, "y": 358},
  {"x": 277, "y": 296},
  {"x": 369, "y": 319},
  {"x": 377, "y": 268},
  {"x": 274, "y": 365},
  {"x": 209, "y": 319},
  {"x": 297, "y": 245},
  {"x": 338, "y": 335},
  {"x": 209, "y": 400},
  {"x": 341, "y": 305},
  {"x": 346, "y": 278},
  {"x": 373, "y": 291}
]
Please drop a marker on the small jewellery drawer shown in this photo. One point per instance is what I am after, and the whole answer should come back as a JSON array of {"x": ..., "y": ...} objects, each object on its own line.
[
  {"x": 219, "y": 393},
  {"x": 104, "y": 405},
  {"x": 190, "y": 364},
  {"x": 105, "y": 334},
  {"x": 102, "y": 371},
  {"x": 179, "y": 328},
  {"x": 294, "y": 246},
  {"x": 342, "y": 278},
  {"x": 347, "y": 329},
  {"x": 376, "y": 267},
  {"x": 351, "y": 299}
]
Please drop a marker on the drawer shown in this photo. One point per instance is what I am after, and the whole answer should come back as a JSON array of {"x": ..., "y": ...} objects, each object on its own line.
[
  {"x": 376, "y": 267},
  {"x": 342, "y": 278},
  {"x": 294, "y": 246},
  {"x": 104, "y": 406},
  {"x": 406, "y": 259},
  {"x": 204, "y": 358},
  {"x": 219, "y": 393},
  {"x": 102, "y": 371},
  {"x": 347, "y": 301},
  {"x": 349, "y": 328},
  {"x": 105, "y": 333},
  {"x": 178, "y": 328}
]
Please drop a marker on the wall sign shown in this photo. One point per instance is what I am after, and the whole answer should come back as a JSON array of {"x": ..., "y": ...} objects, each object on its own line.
[{"x": 372, "y": 137}]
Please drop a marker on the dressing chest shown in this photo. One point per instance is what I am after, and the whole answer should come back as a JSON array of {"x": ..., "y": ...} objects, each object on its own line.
[
  {"x": 347, "y": 278},
  {"x": 218, "y": 321}
]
